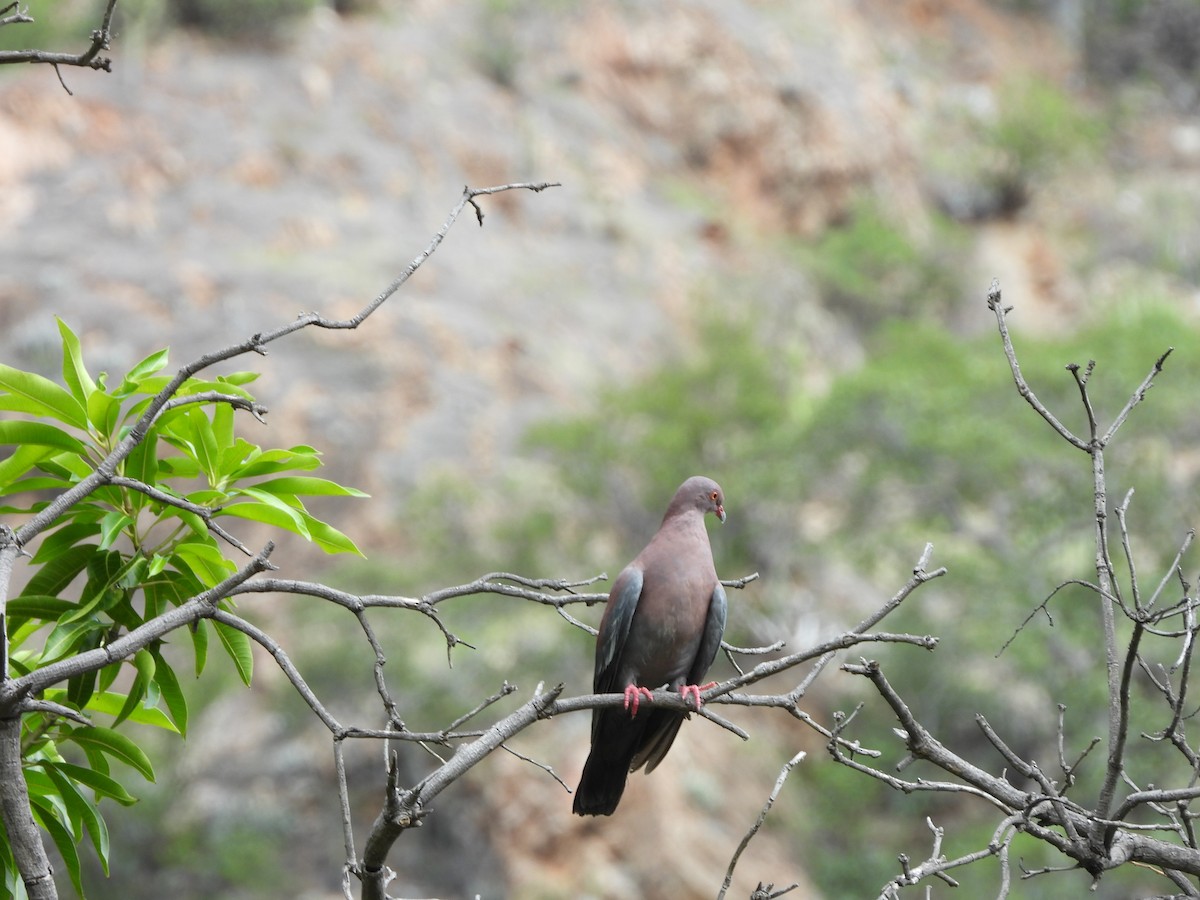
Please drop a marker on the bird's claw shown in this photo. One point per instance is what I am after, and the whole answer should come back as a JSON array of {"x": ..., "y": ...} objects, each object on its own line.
[
  {"x": 633, "y": 697},
  {"x": 693, "y": 690}
]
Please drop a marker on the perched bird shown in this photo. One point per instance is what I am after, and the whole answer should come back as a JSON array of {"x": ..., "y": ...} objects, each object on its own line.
[{"x": 662, "y": 626}]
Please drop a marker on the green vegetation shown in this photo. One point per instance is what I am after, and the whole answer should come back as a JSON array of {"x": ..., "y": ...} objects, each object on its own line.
[
  {"x": 988, "y": 161},
  {"x": 254, "y": 21},
  {"x": 65, "y": 26},
  {"x": 871, "y": 268},
  {"x": 58, "y": 25},
  {"x": 141, "y": 543},
  {"x": 1039, "y": 128}
]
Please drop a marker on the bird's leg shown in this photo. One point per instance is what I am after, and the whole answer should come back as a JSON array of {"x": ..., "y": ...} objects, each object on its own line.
[
  {"x": 633, "y": 697},
  {"x": 693, "y": 690}
]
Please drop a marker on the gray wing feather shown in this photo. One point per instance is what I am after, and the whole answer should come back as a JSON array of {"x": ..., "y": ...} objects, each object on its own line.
[
  {"x": 614, "y": 630},
  {"x": 714, "y": 629}
]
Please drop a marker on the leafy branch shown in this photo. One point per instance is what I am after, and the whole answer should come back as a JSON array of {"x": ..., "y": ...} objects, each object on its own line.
[{"x": 124, "y": 484}]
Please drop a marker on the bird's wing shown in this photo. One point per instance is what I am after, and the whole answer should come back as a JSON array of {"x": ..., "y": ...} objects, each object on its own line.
[
  {"x": 710, "y": 642},
  {"x": 614, "y": 629}
]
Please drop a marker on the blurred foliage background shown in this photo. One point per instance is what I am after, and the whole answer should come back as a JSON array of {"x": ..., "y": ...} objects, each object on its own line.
[{"x": 846, "y": 386}]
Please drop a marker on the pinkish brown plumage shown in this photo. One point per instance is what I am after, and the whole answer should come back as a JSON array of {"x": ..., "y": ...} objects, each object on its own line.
[{"x": 662, "y": 626}]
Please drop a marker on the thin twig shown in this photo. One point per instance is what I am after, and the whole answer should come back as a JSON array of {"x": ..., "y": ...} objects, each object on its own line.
[
  {"x": 994, "y": 304},
  {"x": 89, "y": 58},
  {"x": 762, "y": 817},
  {"x": 1138, "y": 396}
]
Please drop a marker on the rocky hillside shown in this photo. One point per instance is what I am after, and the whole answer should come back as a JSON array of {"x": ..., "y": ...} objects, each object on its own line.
[{"x": 206, "y": 191}]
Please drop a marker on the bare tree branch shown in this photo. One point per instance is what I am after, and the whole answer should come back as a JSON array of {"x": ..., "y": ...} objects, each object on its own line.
[
  {"x": 405, "y": 808},
  {"x": 1096, "y": 836},
  {"x": 762, "y": 817},
  {"x": 89, "y": 58},
  {"x": 1023, "y": 388}
]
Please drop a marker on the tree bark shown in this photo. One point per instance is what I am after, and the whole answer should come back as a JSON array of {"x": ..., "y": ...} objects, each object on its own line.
[{"x": 22, "y": 831}]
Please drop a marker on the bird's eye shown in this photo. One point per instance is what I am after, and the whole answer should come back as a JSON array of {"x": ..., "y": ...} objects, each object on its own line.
[{"x": 713, "y": 496}]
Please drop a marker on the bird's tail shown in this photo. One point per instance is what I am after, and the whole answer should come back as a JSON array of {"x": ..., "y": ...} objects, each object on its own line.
[{"x": 602, "y": 784}]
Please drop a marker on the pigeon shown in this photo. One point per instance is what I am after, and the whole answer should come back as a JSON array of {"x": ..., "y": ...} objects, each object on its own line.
[{"x": 662, "y": 626}]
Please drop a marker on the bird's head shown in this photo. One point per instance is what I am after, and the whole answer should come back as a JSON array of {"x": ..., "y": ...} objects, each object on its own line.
[{"x": 703, "y": 494}]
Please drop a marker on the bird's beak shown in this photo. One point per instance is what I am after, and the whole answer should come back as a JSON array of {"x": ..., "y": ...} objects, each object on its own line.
[{"x": 721, "y": 514}]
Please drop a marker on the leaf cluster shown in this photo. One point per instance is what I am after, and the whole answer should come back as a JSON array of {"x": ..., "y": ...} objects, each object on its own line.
[{"x": 146, "y": 541}]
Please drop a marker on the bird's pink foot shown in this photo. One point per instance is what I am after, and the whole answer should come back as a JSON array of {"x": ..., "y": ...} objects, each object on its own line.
[
  {"x": 693, "y": 690},
  {"x": 633, "y": 697}
]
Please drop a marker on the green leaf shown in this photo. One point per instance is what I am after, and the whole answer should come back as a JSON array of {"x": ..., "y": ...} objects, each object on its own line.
[
  {"x": 153, "y": 363},
  {"x": 167, "y": 589},
  {"x": 113, "y": 744},
  {"x": 329, "y": 538},
  {"x": 37, "y": 483},
  {"x": 96, "y": 759},
  {"x": 270, "y": 514},
  {"x": 143, "y": 661},
  {"x": 233, "y": 457},
  {"x": 101, "y": 592},
  {"x": 299, "y": 458},
  {"x": 152, "y": 386},
  {"x": 56, "y": 542},
  {"x": 65, "y": 637},
  {"x": 222, "y": 426},
  {"x": 67, "y": 466},
  {"x": 204, "y": 561},
  {"x": 81, "y": 687},
  {"x": 36, "y": 606},
  {"x": 209, "y": 497},
  {"x": 75, "y": 373},
  {"x": 19, "y": 404},
  {"x": 198, "y": 526},
  {"x": 82, "y": 809},
  {"x": 15, "y": 432},
  {"x": 221, "y": 386},
  {"x": 103, "y": 784},
  {"x": 172, "y": 693},
  {"x": 43, "y": 396},
  {"x": 237, "y": 645},
  {"x": 133, "y": 573},
  {"x": 203, "y": 441},
  {"x": 239, "y": 377},
  {"x": 307, "y": 486},
  {"x": 112, "y": 526},
  {"x": 113, "y": 703},
  {"x": 24, "y": 458},
  {"x": 47, "y": 816},
  {"x": 157, "y": 563},
  {"x": 200, "y": 645},
  {"x": 18, "y": 634},
  {"x": 103, "y": 412},
  {"x": 136, "y": 377},
  {"x": 53, "y": 577},
  {"x": 142, "y": 465},
  {"x": 105, "y": 678}
]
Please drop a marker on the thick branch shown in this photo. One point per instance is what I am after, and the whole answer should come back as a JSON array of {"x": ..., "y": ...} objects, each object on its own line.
[
  {"x": 22, "y": 832},
  {"x": 1038, "y": 812},
  {"x": 203, "y": 604},
  {"x": 405, "y": 809}
]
